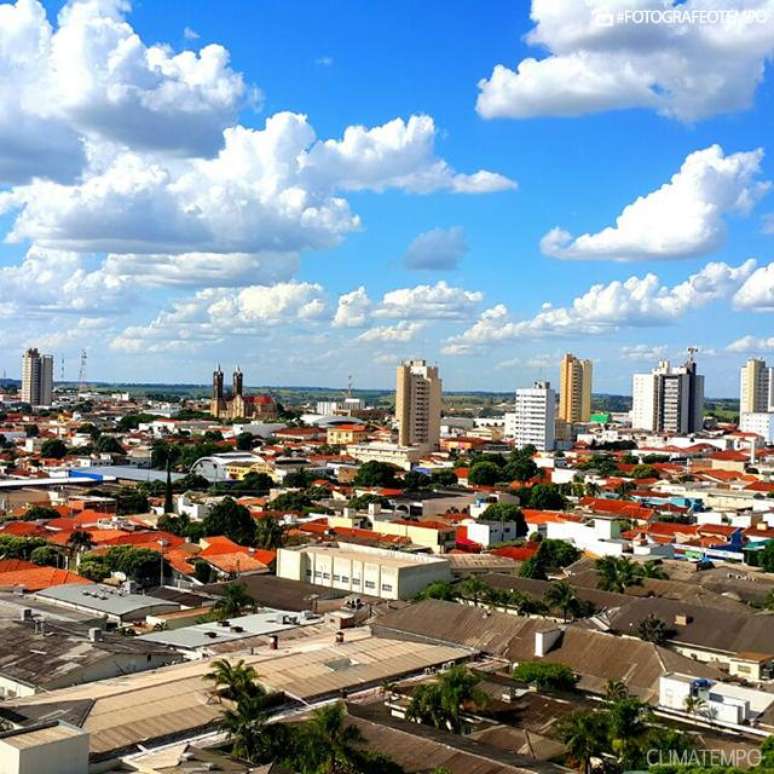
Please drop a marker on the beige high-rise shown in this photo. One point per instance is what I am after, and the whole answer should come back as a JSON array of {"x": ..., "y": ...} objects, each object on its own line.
[
  {"x": 37, "y": 378},
  {"x": 575, "y": 389},
  {"x": 756, "y": 393},
  {"x": 418, "y": 404}
]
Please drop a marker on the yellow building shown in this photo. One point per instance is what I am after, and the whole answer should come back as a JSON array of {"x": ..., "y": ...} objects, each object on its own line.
[
  {"x": 344, "y": 434},
  {"x": 575, "y": 389}
]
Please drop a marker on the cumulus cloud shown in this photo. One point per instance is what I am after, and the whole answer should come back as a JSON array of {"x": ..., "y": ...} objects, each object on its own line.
[
  {"x": 207, "y": 316},
  {"x": 440, "y": 301},
  {"x": 402, "y": 331},
  {"x": 93, "y": 77},
  {"x": 271, "y": 189},
  {"x": 601, "y": 59},
  {"x": 683, "y": 218},
  {"x": 637, "y": 301},
  {"x": 752, "y": 344},
  {"x": 352, "y": 309},
  {"x": 439, "y": 248},
  {"x": 757, "y": 293}
]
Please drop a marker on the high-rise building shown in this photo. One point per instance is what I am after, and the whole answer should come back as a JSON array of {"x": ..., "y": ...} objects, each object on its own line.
[
  {"x": 418, "y": 404},
  {"x": 37, "y": 378},
  {"x": 534, "y": 418},
  {"x": 669, "y": 400},
  {"x": 756, "y": 388},
  {"x": 575, "y": 389}
]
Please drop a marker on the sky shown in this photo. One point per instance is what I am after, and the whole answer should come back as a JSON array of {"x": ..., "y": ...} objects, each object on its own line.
[{"x": 318, "y": 190}]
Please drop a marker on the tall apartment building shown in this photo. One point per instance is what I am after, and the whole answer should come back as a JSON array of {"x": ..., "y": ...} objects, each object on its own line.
[
  {"x": 575, "y": 389},
  {"x": 669, "y": 400},
  {"x": 534, "y": 417},
  {"x": 418, "y": 404},
  {"x": 37, "y": 378},
  {"x": 756, "y": 388}
]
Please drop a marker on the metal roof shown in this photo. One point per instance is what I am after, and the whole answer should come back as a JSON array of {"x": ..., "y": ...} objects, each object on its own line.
[{"x": 103, "y": 599}]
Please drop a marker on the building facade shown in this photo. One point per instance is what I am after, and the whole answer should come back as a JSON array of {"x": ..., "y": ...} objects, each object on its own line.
[
  {"x": 360, "y": 569},
  {"x": 37, "y": 378},
  {"x": 669, "y": 400},
  {"x": 237, "y": 405},
  {"x": 534, "y": 418},
  {"x": 756, "y": 387},
  {"x": 418, "y": 404},
  {"x": 575, "y": 389}
]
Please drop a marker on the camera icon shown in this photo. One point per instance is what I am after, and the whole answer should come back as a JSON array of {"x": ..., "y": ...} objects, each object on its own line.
[{"x": 603, "y": 17}]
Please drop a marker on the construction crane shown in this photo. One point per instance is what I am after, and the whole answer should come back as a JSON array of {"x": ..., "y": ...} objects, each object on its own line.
[{"x": 82, "y": 374}]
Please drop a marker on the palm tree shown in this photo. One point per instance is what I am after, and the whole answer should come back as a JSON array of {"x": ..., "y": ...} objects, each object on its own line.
[
  {"x": 474, "y": 589},
  {"x": 585, "y": 736},
  {"x": 653, "y": 569},
  {"x": 234, "y": 602},
  {"x": 78, "y": 542},
  {"x": 440, "y": 703},
  {"x": 326, "y": 744},
  {"x": 615, "y": 690},
  {"x": 617, "y": 574},
  {"x": 653, "y": 629},
  {"x": 251, "y": 737},
  {"x": 561, "y": 595},
  {"x": 234, "y": 680},
  {"x": 694, "y": 705},
  {"x": 268, "y": 533}
]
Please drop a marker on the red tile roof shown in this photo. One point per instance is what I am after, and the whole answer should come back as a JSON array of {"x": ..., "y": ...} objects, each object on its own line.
[{"x": 39, "y": 578}]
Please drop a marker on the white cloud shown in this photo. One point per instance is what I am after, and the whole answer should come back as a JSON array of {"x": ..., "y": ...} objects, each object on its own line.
[
  {"x": 683, "y": 218},
  {"x": 200, "y": 269},
  {"x": 211, "y": 314},
  {"x": 752, "y": 344},
  {"x": 685, "y": 69},
  {"x": 637, "y": 301},
  {"x": 398, "y": 154},
  {"x": 353, "y": 309},
  {"x": 190, "y": 34},
  {"x": 767, "y": 225},
  {"x": 49, "y": 282},
  {"x": 273, "y": 189},
  {"x": 93, "y": 77},
  {"x": 757, "y": 293},
  {"x": 649, "y": 352},
  {"x": 324, "y": 61},
  {"x": 439, "y": 301},
  {"x": 439, "y": 248},
  {"x": 402, "y": 331}
]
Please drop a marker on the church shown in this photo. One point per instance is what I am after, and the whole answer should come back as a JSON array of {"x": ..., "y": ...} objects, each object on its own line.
[{"x": 237, "y": 405}]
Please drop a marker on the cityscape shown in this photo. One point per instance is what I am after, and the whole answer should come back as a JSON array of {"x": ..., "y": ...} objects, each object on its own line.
[{"x": 386, "y": 387}]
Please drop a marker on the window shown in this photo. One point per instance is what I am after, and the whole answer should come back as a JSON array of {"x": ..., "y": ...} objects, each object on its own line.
[
  {"x": 345, "y": 579},
  {"x": 386, "y": 587},
  {"x": 337, "y": 578},
  {"x": 370, "y": 585},
  {"x": 326, "y": 576},
  {"x": 356, "y": 581}
]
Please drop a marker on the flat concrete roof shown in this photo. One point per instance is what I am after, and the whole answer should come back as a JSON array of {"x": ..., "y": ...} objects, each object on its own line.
[{"x": 103, "y": 599}]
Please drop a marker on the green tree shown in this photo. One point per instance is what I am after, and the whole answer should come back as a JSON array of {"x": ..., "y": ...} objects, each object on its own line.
[
  {"x": 644, "y": 471},
  {"x": 40, "y": 512},
  {"x": 234, "y": 602},
  {"x": 505, "y": 512},
  {"x": 546, "y": 497},
  {"x": 268, "y": 533},
  {"x": 444, "y": 477},
  {"x": 522, "y": 468},
  {"x": 232, "y": 520},
  {"x": 439, "y": 590},
  {"x": 233, "y": 680},
  {"x": 484, "y": 474},
  {"x": 473, "y": 588},
  {"x": 585, "y": 736},
  {"x": 374, "y": 473},
  {"x": 90, "y": 429},
  {"x": 53, "y": 448},
  {"x": 561, "y": 596},
  {"x": 131, "y": 500},
  {"x": 653, "y": 568},
  {"x": 766, "y": 557},
  {"x": 414, "y": 481},
  {"x": 653, "y": 629},
  {"x": 244, "y": 441},
  {"x": 46, "y": 555},
  {"x": 108, "y": 444},
  {"x": 617, "y": 573},
  {"x": 440, "y": 703},
  {"x": 546, "y": 675}
]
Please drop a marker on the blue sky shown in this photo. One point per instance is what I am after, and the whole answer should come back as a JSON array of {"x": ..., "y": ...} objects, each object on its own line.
[{"x": 126, "y": 233}]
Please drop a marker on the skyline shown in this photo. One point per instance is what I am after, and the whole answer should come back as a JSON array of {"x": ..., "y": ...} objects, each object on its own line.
[{"x": 321, "y": 196}]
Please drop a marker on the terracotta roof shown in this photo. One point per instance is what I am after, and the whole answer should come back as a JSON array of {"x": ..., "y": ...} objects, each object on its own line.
[{"x": 40, "y": 578}]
